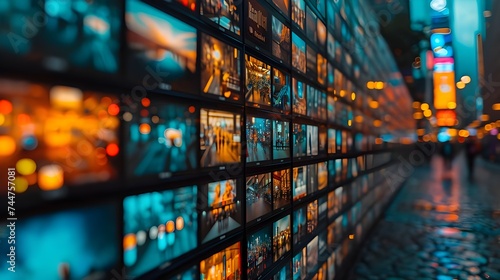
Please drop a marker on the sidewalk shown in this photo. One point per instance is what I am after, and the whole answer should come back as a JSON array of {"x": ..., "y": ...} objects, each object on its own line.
[{"x": 438, "y": 229}]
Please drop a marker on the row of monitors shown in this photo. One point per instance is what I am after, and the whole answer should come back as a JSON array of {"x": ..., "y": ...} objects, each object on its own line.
[
  {"x": 163, "y": 53},
  {"x": 63, "y": 136},
  {"x": 159, "y": 227}
]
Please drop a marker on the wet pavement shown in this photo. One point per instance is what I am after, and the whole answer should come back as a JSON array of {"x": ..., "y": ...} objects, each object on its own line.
[{"x": 438, "y": 229}]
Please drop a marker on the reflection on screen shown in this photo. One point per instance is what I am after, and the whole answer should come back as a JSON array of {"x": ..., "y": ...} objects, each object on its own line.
[
  {"x": 224, "y": 265},
  {"x": 220, "y": 209},
  {"x": 220, "y": 138},
  {"x": 158, "y": 227},
  {"x": 162, "y": 49},
  {"x": 57, "y": 136},
  {"x": 259, "y": 139},
  {"x": 220, "y": 68},
  {"x": 71, "y": 244},
  {"x": 161, "y": 137}
]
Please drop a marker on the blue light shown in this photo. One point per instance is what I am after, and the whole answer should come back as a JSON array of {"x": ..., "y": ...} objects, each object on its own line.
[{"x": 443, "y": 136}]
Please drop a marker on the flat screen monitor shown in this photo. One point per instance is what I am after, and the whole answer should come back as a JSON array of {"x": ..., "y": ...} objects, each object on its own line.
[
  {"x": 220, "y": 137},
  {"x": 258, "y": 196},
  {"x": 282, "y": 237},
  {"x": 281, "y": 141},
  {"x": 299, "y": 140},
  {"x": 322, "y": 209},
  {"x": 282, "y": 189},
  {"x": 285, "y": 273},
  {"x": 299, "y": 263},
  {"x": 259, "y": 139},
  {"x": 258, "y": 81},
  {"x": 312, "y": 140},
  {"x": 259, "y": 251},
  {"x": 322, "y": 140},
  {"x": 57, "y": 136},
  {"x": 312, "y": 216},
  {"x": 299, "y": 97},
  {"x": 299, "y": 225},
  {"x": 161, "y": 137},
  {"x": 226, "y": 15},
  {"x": 298, "y": 53},
  {"x": 224, "y": 265},
  {"x": 219, "y": 208},
  {"x": 321, "y": 65},
  {"x": 322, "y": 175},
  {"x": 299, "y": 13},
  {"x": 311, "y": 67},
  {"x": 283, "y": 7},
  {"x": 258, "y": 24},
  {"x": 162, "y": 50},
  {"x": 77, "y": 243},
  {"x": 158, "y": 227},
  {"x": 299, "y": 182},
  {"x": 220, "y": 68},
  {"x": 312, "y": 256},
  {"x": 281, "y": 96},
  {"x": 332, "y": 149},
  {"x": 330, "y": 106},
  {"x": 330, "y": 47},
  {"x": 312, "y": 178},
  {"x": 311, "y": 28},
  {"x": 281, "y": 40}
]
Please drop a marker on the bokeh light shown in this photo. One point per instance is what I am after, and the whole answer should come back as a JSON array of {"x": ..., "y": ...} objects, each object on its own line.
[{"x": 26, "y": 166}]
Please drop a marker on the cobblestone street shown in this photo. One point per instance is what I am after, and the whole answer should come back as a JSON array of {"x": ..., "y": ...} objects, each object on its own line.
[{"x": 438, "y": 229}]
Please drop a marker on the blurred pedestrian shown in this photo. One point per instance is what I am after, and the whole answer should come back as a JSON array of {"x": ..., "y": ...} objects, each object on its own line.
[{"x": 472, "y": 149}]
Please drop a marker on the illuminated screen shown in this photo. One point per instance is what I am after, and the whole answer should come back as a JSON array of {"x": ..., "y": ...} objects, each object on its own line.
[
  {"x": 322, "y": 245},
  {"x": 338, "y": 169},
  {"x": 64, "y": 34},
  {"x": 299, "y": 97},
  {"x": 300, "y": 265},
  {"x": 311, "y": 28},
  {"x": 322, "y": 175},
  {"x": 259, "y": 139},
  {"x": 160, "y": 137},
  {"x": 312, "y": 256},
  {"x": 162, "y": 49},
  {"x": 322, "y": 208},
  {"x": 57, "y": 136},
  {"x": 158, "y": 227},
  {"x": 281, "y": 139},
  {"x": 258, "y": 196},
  {"x": 257, "y": 24},
  {"x": 338, "y": 140},
  {"x": 224, "y": 265},
  {"x": 258, "y": 81},
  {"x": 70, "y": 244},
  {"x": 188, "y": 274},
  {"x": 225, "y": 14},
  {"x": 330, "y": 109},
  {"x": 220, "y": 137},
  {"x": 316, "y": 103},
  {"x": 282, "y": 237},
  {"x": 299, "y": 13},
  {"x": 312, "y": 216},
  {"x": 331, "y": 173},
  {"x": 299, "y": 182},
  {"x": 282, "y": 194},
  {"x": 283, "y": 6},
  {"x": 281, "y": 41},
  {"x": 312, "y": 68},
  {"x": 312, "y": 178},
  {"x": 312, "y": 140},
  {"x": 188, "y": 4},
  {"x": 321, "y": 69},
  {"x": 281, "y": 91},
  {"x": 299, "y": 224},
  {"x": 259, "y": 252},
  {"x": 220, "y": 208},
  {"x": 220, "y": 68},
  {"x": 322, "y": 139},
  {"x": 299, "y": 140},
  {"x": 285, "y": 272},
  {"x": 298, "y": 53}
]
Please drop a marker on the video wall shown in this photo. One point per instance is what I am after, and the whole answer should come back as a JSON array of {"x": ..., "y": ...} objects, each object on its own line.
[{"x": 166, "y": 140}]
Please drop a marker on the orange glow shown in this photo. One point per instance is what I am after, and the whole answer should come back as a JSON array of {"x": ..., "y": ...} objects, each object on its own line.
[
  {"x": 170, "y": 226},
  {"x": 23, "y": 119},
  {"x": 26, "y": 166},
  {"x": 102, "y": 114},
  {"x": 351, "y": 236},
  {"x": 129, "y": 241},
  {"x": 227, "y": 94},
  {"x": 144, "y": 128},
  {"x": 7, "y": 146},
  {"x": 444, "y": 89},
  {"x": 113, "y": 109},
  {"x": 50, "y": 177},
  {"x": 370, "y": 85},
  {"x": 145, "y": 102},
  {"x": 5, "y": 107},
  {"x": 106, "y": 100},
  {"x": 379, "y": 141},
  {"x": 179, "y": 223},
  {"x": 112, "y": 149},
  {"x": 192, "y": 109},
  {"x": 21, "y": 184}
]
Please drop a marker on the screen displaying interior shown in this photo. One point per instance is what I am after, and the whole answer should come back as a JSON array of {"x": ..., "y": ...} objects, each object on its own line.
[
  {"x": 282, "y": 194},
  {"x": 161, "y": 137},
  {"x": 158, "y": 227},
  {"x": 299, "y": 140},
  {"x": 258, "y": 81},
  {"x": 220, "y": 68},
  {"x": 71, "y": 244},
  {"x": 282, "y": 237},
  {"x": 281, "y": 91},
  {"x": 57, "y": 136},
  {"x": 224, "y": 14},
  {"x": 220, "y": 209},
  {"x": 161, "y": 49},
  {"x": 220, "y": 137},
  {"x": 299, "y": 13},
  {"x": 258, "y": 196},
  {"x": 224, "y": 265}
]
